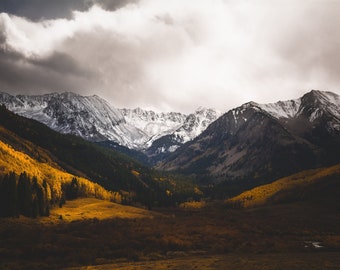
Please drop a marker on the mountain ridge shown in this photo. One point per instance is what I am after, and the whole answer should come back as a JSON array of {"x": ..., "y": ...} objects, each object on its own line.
[
  {"x": 94, "y": 119},
  {"x": 256, "y": 141}
]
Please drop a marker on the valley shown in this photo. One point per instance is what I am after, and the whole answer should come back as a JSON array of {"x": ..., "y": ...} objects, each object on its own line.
[
  {"x": 212, "y": 237},
  {"x": 84, "y": 185},
  {"x": 169, "y": 135}
]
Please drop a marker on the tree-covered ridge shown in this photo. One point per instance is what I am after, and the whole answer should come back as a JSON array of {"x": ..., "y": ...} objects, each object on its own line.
[
  {"x": 72, "y": 153},
  {"x": 30, "y": 146},
  {"x": 12, "y": 161}
]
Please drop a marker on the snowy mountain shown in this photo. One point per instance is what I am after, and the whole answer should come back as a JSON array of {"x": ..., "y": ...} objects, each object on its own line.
[
  {"x": 193, "y": 125},
  {"x": 94, "y": 119},
  {"x": 264, "y": 141},
  {"x": 153, "y": 125},
  {"x": 313, "y": 106},
  {"x": 89, "y": 117}
]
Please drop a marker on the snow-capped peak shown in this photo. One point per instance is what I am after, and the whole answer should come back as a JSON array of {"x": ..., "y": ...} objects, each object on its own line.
[
  {"x": 195, "y": 124},
  {"x": 152, "y": 125},
  {"x": 92, "y": 118},
  {"x": 282, "y": 109},
  {"x": 326, "y": 97},
  {"x": 315, "y": 101}
]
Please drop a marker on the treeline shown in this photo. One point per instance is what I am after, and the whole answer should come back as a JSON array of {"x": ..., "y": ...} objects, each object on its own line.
[
  {"x": 22, "y": 195},
  {"x": 25, "y": 195}
]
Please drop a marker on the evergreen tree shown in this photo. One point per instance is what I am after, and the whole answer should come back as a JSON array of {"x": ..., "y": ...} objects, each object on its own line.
[
  {"x": 47, "y": 197},
  {"x": 38, "y": 198},
  {"x": 13, "y": 195},
  {"x": 8, "y": 196},
  {"x": 73, "y": 189},
  {"x": 41, "y": 200},
  {"x": 35, "y": 206},
  {"x": 62, "y": 200},
  {"x": 25, "y": 195}
]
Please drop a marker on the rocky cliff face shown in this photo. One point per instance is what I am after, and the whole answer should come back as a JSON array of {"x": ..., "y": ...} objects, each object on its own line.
[
  {"x": 193, "y": 125},
  {"x": 264, "y": 141}
]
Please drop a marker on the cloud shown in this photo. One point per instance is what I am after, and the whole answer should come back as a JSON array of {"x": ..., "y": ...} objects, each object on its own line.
[
  {"x": 111, "y": 5},
  {"x": 175, "y": 55},
  {"x": 21, "y": 75},
  {"x": 42, "y": 9},
  {"x": 37, "y": 10},
  {"x": 61, "y": 63}
]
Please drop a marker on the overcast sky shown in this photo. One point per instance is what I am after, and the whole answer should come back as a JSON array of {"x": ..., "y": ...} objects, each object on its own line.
[{"x": 171, "y": 55}]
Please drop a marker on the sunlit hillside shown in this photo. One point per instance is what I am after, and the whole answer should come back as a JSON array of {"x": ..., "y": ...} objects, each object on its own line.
[
  {"x": 106, "y": 167},
  {"x": 91, "y": 208},
  {"x": 18, "y": 162},
  {"x": 298, "y": 186}
]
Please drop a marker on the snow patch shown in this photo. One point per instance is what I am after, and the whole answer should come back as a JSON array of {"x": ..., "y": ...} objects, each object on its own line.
[{"x": 282, "y": 109}]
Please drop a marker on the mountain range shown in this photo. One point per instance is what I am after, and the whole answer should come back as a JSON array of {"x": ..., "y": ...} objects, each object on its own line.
[
  {"x": 31, "y": 147},
  {"x": 258, "y": 143},
  {"x": 94, "y": 119},
  {"x": 255, "y": 143}
]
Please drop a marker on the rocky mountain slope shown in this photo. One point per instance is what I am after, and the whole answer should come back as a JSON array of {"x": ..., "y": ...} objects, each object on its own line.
[
  {"x": 92, "y": 118},
  {"x": 193, "y": 125},
  {"x": 261, "y": 142}
]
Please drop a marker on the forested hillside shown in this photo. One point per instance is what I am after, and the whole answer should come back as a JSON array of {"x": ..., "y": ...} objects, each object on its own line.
[{"x": 31, "y": 147}]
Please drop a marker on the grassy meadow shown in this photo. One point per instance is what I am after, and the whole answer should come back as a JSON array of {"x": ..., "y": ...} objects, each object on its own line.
[{"x": 94, "y": 234}]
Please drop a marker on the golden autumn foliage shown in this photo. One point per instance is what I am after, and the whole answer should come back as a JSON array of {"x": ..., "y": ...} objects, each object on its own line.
[
  {"x": 260, "y": 195},
  {"x": 135, "y": 173},
  {"x": 18, "y": 162},
  {"x": 193, "y": 204},
  {"x": 89, "y": 208}
]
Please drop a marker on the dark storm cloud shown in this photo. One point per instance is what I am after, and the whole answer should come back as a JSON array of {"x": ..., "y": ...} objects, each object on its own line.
[
  {"x": 8, "y": 71},
  {"x": 119, "y": 65},
  {"x": 2, "y": 38},
  {"x": 61, "y": 63},
  {"x": 42, "y": 9},
  {"x": 52, "y": 9},
  {"x": 21, "y": 75},
  {"x": 112, "y": 5}
]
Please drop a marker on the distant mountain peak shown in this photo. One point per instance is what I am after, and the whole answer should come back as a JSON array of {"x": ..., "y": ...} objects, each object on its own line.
[
  {"x": 250, "y": 104},
  {"x": 306, "y": 105},
  {"x": 323, "y": 97},
  {"x": 93, "y": 118}
]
